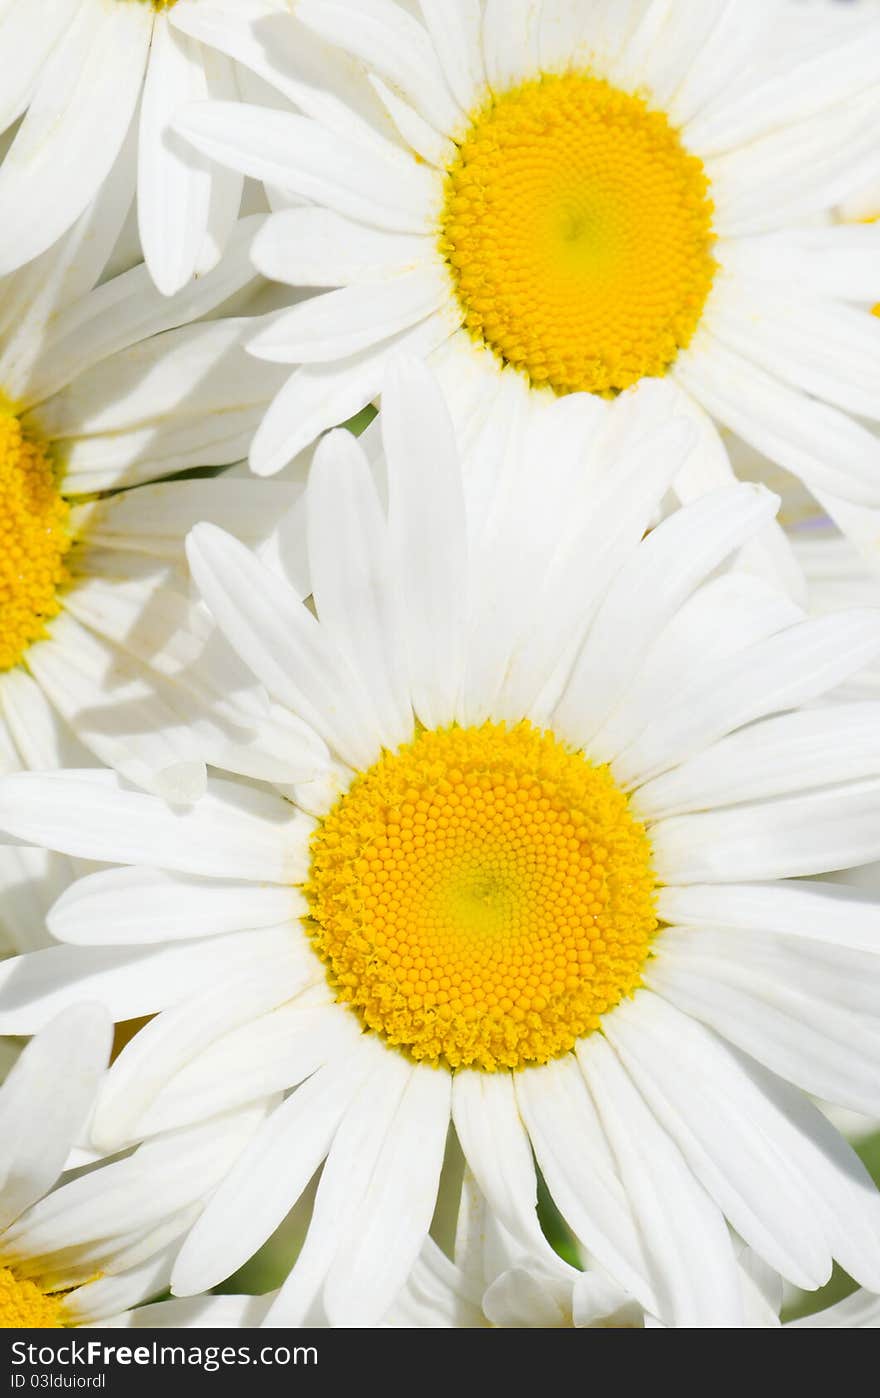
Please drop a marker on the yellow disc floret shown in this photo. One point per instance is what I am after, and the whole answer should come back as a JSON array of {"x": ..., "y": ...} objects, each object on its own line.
[
  {"x": 24, "y": 1305},
  {"x": 34, "y": 540},
  {"x": 577, "y": 230},
  {"x": 482, "y": 896}
]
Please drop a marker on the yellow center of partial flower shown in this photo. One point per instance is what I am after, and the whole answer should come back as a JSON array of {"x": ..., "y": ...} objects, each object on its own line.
[
  {"x": 578, "y": 233},
  {"x": 24, "y": 1305},
  {"x": 34, "y": 540},
  {"x": 482, "y": 896}
]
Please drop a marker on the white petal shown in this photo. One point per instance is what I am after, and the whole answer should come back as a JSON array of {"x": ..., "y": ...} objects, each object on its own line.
[
  {"x": 510, "y": 41},
  {"x": 74, "y": 128},
  {"x": 353, "y": 585},
  {"x": 282, "y": 643},
  {"x": 833, "y": 828},
  {"x": 497, "y": 1149},
  {"x": 380, "y": 1078},
  {"x": 388, "y": 190},
  {"x": 25, "y": 45},
  {"x": 271, "y": 1054},
  {"x": 824, "y": 912},
  {"x": 129, "y": 309},
  {"x": 174, "y": 186},
  {"x": 392, "y": 43},
  {"x": 235, "y": 831},
  {"x": 117, "y": 907},
  {"x": 164, "y": 1048},
  {"x": 128, "y": 982},
  {"x": 798, "y": 664},
  {"x": 726, "y": 1131},
  {"x": 428, "y": 535},
  {"x": 823, "y": 446},
  {"x": 196, "y": 1313},
  {"x": 455, "y": 29},
  {"x": 317, "y": 247},
  {"x": 791, "y": 752},
  {"x": 39, "y": 1122},
  {"x": 684, "y": 1233},
  {"x": 340, "y": 323},
  {"x": 649, "y": 588},
  {"x": 580, "y": 1171},
  {"x": 395, "y": 1212},
  {"x": 316, "y": 397},
  {"x": 767, "y": 997}
]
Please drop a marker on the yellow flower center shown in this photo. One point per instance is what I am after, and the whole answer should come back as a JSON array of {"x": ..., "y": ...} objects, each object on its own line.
[
  {"x": 482, "y": 896},
  {"x": 24, "y": 1305},
  {"x": 578, "y": 234},
  {"x": 34, "y": 540}
]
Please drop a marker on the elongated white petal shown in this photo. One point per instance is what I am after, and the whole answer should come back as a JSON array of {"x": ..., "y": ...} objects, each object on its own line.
[
  {"x": 824, "y": 912},
  {"x": 174, "y": 184},
  {"x": 661, "y": 573},
  {"x": 117, "y": 907},
  {"x": 725, "y": 1130},
  {"x": 773, "y": 1004},
  {"x": 235, "y": 831},
  {"x": 833, "y": 828},
  {"x": 791, "y": 752},
  {"x": 693, "y": 1263},
  {"x": 39, "y": 1122},
  {"x": 392, "y": 43},
  {"x": 426, "y": 502},
  {"x": 496, "y": 1148},
  {"x": 394, "y": 1215},
  {"x": 353, "y": 585},
  {"x": 801, "y": 663},
  {"x": 282, "y": 643},
  {"x": 345, "y": 322},
  {"x": 316, "y": 247},
  {"x": 581, "y": 1174},
  {"x": 386, "y": 189},
  {"x": 74, "y": 128}
]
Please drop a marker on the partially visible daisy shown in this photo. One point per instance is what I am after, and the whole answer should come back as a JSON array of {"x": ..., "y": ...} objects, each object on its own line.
[
  {"x": 85, "y": 75},
  {"x": 494, "y": 1282},
  {"x": 105, "y": 387},
  {"x": 105, "y": 1241},
  {"x": 557, "y": 197},
  {"x": 571, "y": 777}
]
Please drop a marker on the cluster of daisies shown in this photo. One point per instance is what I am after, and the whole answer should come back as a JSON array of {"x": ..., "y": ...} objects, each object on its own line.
[{"x": 439, "y": 660}]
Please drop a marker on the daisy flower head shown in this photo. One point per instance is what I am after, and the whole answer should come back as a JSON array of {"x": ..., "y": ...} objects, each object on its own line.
[
  {"x": 106, "y": 387},
  {"x": 82, "y": 1251},
  {"x": 541, "y": 884},
  {"x": 547, "y": 198},
  {"x": 94, "y": 84}
]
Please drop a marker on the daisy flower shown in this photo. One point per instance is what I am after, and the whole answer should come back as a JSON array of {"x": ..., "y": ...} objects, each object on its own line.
[
  {"x": 105, "y": 1241},
  {"x": 86, "y": 75},
  {"x": 103, "y": 388},
  {"x": 543, "y": 886},
  {"x": 547, "y": 198}
]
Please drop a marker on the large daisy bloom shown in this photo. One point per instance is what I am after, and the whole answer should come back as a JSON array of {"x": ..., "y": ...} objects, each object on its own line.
[
  {"x": 542, "y": 884},
  {"x": 555, "y": 197},
  {"x": 494, "y": 1282},
  {"x": 97, "y": 82},
  {"x": 85, "y": 1251}
]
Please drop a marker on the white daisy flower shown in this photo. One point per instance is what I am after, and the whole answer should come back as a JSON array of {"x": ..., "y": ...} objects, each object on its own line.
[
  {"x": 107, "y": 1240},
  {"x": 543, "y": 887},
  {"x": 85, "y": 75},
  {"x": 555, "y": 197},
  {"x": 494, "y": 1283},
  {"x": 102, "y": 387}
]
